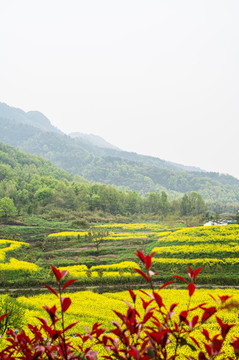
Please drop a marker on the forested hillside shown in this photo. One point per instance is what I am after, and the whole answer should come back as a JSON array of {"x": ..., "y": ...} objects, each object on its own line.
[
  {"x": 35, "y": 186},
  {"x": 127, "y": 171}
]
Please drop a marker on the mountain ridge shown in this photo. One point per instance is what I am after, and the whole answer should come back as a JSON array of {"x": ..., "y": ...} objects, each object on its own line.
[
  {"x": 128, "y": 171},
  {"x": 94, "y": 140},
  {"x": 33, "y": 118}
]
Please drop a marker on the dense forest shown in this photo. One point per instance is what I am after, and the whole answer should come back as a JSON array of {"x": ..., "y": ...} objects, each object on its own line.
[{"x": 30, "y": 185}]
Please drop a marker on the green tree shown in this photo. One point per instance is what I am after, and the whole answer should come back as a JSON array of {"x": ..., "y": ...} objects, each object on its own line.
[
  {"x": 97, "y": 238},
  {"x": 237, "y": 217},
  {"x": 185, "y": 206},
  {"x": 192, "y": 204},
  {"x": 7, "y": 208},
  {"x": 16, "y": 314},
  {"x": 164, "y": 204},
  {"x": 44, "y": 195},
  {"x": 132, "y": 202},
  {"x": 197, "y": 204},
  {"x": 153, "y": 203}
]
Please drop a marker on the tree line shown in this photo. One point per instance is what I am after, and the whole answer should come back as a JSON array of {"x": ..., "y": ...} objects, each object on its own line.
[{"x": 27, "y": 188}]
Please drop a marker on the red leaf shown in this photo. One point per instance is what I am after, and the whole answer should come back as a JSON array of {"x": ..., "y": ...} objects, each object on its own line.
[
  {"x": 59, "y": 274},
  {"x": 158, "y": 299},
  {"x": 208, "y": 313},
  {"x": 213, "y": 298},
  {"x": 166, "y": 284},
  {"x": 195, "y": 320},
  {"x": 201, "y": 356},
  {"x": 134, "y": 352},
  {"x": 52, "y": 313},
  {"x": 117, "y": 332},
  {"x": 224, "y": 327},
  {"x": 146, "y": 303},
  {"x": 52, "y": 290},
  {"x": 140, "y": 256},
  {"x": 183, "y": 316},
  {"x": 190, "y": 272},
  {"x": 142, "y": 274},
  {"x": 235, "y": 344},
  {"x": 64, "y": 273},
  {"x": 147, "y": 261},
  {"x": 133, "y": 295},
  {"x": 191, "y": 289},
  {"x": 121, "y": 316},
  {"x": 71, "y": 326},
  {"x": 68, "y": 283},
  {"x": 160, "y": 337},
  {"x": 65, "y": 303},
  {"x": 206, "y": 334},
  {"x": 172, "y": 307},
  {"x": 195, "y": 341},
  {"x": 98, "y": 332},
  {"x": 224, "y": 298},
  {"x": 147, "y": 317},
  {"x": 43, "y": 321},
  {"x": 196, "y": 272},
  {"x": 56, "y": 272},
  {"x": 180, "y": 278},
  {"x": 2, "y": 317}
]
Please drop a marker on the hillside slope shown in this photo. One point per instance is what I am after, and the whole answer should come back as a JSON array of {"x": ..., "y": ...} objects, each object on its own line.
[
  {"x": 129, "y": 171},
  {"x": 32, "y": 185},
  {"x": 33, "y": 118}
]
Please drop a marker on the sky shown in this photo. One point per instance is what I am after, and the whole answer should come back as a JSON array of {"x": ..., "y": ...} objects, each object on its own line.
[{"x": 158, "y": 77}]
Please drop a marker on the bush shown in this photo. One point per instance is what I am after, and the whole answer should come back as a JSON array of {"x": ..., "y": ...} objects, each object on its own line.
[
  {"x": 81, "y": 223},
  {"x": 157, "y": 334},
  {"x": 16, "y": 314}
]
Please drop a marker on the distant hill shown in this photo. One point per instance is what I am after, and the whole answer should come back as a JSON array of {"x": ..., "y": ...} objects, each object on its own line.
[
  {"x": 132, "y": 156},
  {"x": 33, "y": 118},
  {"x": 109, "y": 165},
  {"x": 93, "y": 140},
  {"x": 37, "y": 187}
]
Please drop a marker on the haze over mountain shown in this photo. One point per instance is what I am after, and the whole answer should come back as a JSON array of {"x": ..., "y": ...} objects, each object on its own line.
[
  {"x": 33, "y": 118},
  {"x": 98, "y": 161},
  {"x": 94, "y": 140}
]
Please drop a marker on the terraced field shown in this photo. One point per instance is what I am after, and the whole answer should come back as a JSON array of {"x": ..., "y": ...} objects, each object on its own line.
[{"x": 106, "y": 254}]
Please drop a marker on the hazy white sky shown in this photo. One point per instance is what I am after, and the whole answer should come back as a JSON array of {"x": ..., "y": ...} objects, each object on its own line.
[{"x": 156, "y": 77}]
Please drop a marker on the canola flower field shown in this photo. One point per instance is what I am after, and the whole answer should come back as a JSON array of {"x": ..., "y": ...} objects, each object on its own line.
[
  {"x": 211, "y": 245},
  {"x": 216, "y": 248},
  {"x": 89, "y": 307},
  {"x": 14, "y": 265}
]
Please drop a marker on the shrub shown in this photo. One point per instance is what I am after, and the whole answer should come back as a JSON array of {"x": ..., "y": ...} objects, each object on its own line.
[
  {"x": 157, "y": 334},
  {"x": 16, "y": 313}
]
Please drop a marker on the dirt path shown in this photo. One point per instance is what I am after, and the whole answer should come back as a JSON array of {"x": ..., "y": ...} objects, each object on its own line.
[{"x": 106, "y": 288}]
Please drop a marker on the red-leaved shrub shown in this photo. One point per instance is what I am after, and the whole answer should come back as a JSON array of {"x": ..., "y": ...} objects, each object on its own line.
[{"x": 157, "y": 334}]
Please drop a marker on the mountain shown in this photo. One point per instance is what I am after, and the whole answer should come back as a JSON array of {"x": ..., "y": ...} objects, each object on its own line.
[
  {"x": 37, "y": 187},
  {"x": 32, "y": 118},
  {"x": 132, "y": 156},
  {"x": 98, "y": 146},
  {"x": 80, "y": 155},
  {"x": 93, "y": 140}
]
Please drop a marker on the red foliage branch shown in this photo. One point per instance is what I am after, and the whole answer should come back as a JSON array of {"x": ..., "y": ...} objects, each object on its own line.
[{"x": 153, "y": 333}]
